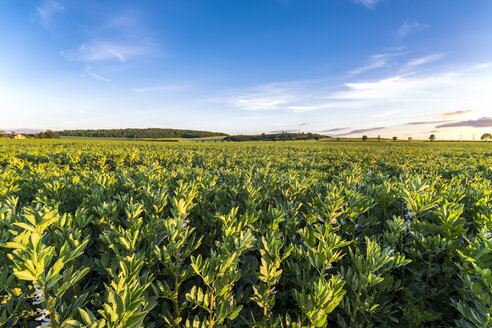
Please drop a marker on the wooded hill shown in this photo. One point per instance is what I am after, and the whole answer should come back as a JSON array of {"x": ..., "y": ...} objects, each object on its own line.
[{"x": 140, "y": 133}]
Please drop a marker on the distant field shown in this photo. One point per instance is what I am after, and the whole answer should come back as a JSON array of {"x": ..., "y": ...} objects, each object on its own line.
[{"x": 245, "y": 234}]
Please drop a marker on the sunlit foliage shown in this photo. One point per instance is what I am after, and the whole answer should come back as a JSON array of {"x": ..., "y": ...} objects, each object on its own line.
[{"x": 314, "y": 234}]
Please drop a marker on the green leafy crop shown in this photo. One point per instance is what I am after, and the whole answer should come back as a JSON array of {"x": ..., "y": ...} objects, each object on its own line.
[{"x": 256, "y": 234}]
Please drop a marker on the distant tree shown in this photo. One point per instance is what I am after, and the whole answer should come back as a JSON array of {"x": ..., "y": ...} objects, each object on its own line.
[
  {"x": 338, "y": 139},
  {"x": 395, "y": 138},
  {"x": 486, "y": 137},
  {"x": 140, "y": 133},
  {"x": 317, "y": 138},
  {"x": 48, "y": 134},
  {"x": 51, "y": 134},
  {"x": 364, "y": 138},
  {"x": 410, "y": 139},
  {"x": 432, "y": 137},
  {"x": 274, "y": 137},
  {"x": 379, "y": 138}
]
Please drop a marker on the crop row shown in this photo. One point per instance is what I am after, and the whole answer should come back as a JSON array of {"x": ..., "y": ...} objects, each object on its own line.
[{"x": 122, "y": 234}]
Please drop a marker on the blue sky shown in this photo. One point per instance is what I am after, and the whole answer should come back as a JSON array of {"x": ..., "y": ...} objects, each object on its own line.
[{"x": 339, "y": 67}]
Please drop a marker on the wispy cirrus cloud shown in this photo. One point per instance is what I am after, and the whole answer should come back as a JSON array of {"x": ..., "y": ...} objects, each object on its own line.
[
  {"x": 335, "y": 130},
  {"x": 361, "y": 131},
  {"x": 391, "y": 95},
  {"x": 376, "y": 61},
  {"x": 422, "y": 61},
  {"x": 296, "y": 96},
  {"x": 457, "y": 113},
  {"x": 252, "y": 102},
  {"x": 306, "y": 96},
  {"x": 88, "y": 72},
  {"x": 369, "y": 3},
  {"x": 163, "y": 88},
  {"x": 389, "y": 60},
  {"x": 388, "y": 113},
  {"x": 118, "y": 36},
  {"x": 325, "y": 105},
  {"x": 426, "y": 122},
  {"x": 409, "y": 27},
  {"x": 391, "y": 88},
  {"x": 124, "y": 23},
  {"x": 266, "y": 97},
  {"x": 293, "y": 96},
  {"x": 107, "y": 50},
  {"x": 47, "y": 11},
  {"x": 482, "y": 66},
  {"x": 483, "y": 122}
]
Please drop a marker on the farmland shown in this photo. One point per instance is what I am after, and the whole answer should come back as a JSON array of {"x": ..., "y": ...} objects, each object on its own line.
[{"x": 281, "y": 234}]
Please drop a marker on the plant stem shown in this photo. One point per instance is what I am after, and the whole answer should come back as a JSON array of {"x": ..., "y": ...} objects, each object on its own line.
[
  {"x": 212, "y": 306},
  {"x": 53, "y": 321},
  {"x": 428, "y": 271},
  {"x": 265, "y": 309},
  {"x": 356, "y": 307},
  {"x": 176, "y": 299}
]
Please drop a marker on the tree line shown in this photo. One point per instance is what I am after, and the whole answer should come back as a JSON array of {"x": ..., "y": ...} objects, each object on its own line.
[
  {"x": 285, "y": 136},
  {"x": 140, "y": 133},
  {"x": 48, "y": 134}
]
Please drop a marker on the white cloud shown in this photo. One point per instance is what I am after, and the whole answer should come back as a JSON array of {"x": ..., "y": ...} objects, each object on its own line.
[
  {"x": 482, "y": 66},
  {"x": 391, "y": 88},
  {"x": 389, "y": 61},
  {"x": 162, "y": 88},
  {"x": 457, "y": 113},
  {"x": 262, "y": 102},
  {"x": 422, "y": 61},
  {"x": 369, "y": 3},
  {"x": 359, "y": 131},
  {"x": 408, "y": 27},
  {"x": 119, "y": 36},
  {"x": 101, "y": 50},
  {"x": 308, "y": 96},
  {"x": 88, "y": 71},
  {"x": 47, "y": 10},
  {"x": 388, "y": 113},
  {"x": 296, "y": 96},
  {"x": 271, "y": 96},
  {"x": 391, "y": 97},
  {"x": 376, "y": 61},
  {"x": 127, "y": 22},
  {"x": 327, "y": 105},
  {"x": 293, "y": 96}
]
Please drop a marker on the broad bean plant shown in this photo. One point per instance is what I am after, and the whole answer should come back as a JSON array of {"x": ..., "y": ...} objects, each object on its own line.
[{"x": 129, "y": 234}]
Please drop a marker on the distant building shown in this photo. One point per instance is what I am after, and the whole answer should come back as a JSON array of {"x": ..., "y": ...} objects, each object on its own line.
[{"x": 16, "y": 136}]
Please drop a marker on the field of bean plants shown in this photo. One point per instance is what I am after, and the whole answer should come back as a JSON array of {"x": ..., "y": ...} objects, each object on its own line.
[{"x": 266, "y": 234}]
